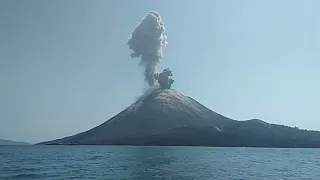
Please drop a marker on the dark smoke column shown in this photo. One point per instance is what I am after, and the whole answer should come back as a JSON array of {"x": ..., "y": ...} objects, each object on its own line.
[
  {"x": 164, "y": 79},
  {"x": 147, "y": 41}
]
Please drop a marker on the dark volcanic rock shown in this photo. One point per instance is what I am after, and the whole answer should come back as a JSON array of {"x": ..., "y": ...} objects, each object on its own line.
[{"x": 166, "y": 117}]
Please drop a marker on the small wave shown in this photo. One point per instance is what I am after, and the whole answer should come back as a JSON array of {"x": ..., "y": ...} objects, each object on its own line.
[
  {"x": 96, "y": 157},
  {"x": 24, "y": 169},
  {"x": 22, "y": 176}
]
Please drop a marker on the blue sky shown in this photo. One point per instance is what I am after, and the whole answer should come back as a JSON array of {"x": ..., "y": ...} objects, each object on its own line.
[{"x": 65, "y": 65}]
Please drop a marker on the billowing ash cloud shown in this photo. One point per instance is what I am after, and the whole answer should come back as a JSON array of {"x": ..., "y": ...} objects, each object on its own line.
[
  {"x": 147, "y": 41},
  {"x": 164, "y": 79}
]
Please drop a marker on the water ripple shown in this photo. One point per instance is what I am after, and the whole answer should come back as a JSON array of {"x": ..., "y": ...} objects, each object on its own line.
[{"x": 129, "y": 162}]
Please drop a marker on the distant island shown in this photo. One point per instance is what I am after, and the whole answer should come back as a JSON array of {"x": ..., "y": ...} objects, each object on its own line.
[
  {"x": 8, "y": 142},
  {"x": 166, "y": 117}
]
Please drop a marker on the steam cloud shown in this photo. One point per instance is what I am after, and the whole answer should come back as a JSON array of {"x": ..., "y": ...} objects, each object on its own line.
[{"x": 147, "y": 41}]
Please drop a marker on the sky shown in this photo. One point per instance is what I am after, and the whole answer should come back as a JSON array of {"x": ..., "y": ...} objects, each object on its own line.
[{"x": 65, "y": 66}]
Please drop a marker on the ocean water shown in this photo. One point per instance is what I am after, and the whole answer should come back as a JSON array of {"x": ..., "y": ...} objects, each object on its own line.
[{"x": 147, "y": 163}]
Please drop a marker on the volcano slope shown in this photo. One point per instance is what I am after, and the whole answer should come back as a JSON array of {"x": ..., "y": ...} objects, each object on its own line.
[{"x": 166, "y": 117}]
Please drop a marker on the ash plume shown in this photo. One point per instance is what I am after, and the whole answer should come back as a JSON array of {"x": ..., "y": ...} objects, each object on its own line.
[
  {"x": 164, "y": 79},
  {"x": 147, "y": 41},
  {"x": 147, "y": 92}
]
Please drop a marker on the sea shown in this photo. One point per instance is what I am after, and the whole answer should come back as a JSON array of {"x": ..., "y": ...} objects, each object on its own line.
[{"x": 157, "y": 163}]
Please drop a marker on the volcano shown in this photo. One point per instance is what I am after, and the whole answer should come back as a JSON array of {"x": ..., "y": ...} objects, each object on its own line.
[{"x": 167, "y": 117}]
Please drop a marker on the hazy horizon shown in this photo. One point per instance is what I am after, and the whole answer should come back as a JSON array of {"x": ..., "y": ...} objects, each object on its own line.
[{"x": 65, "y": 66}]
